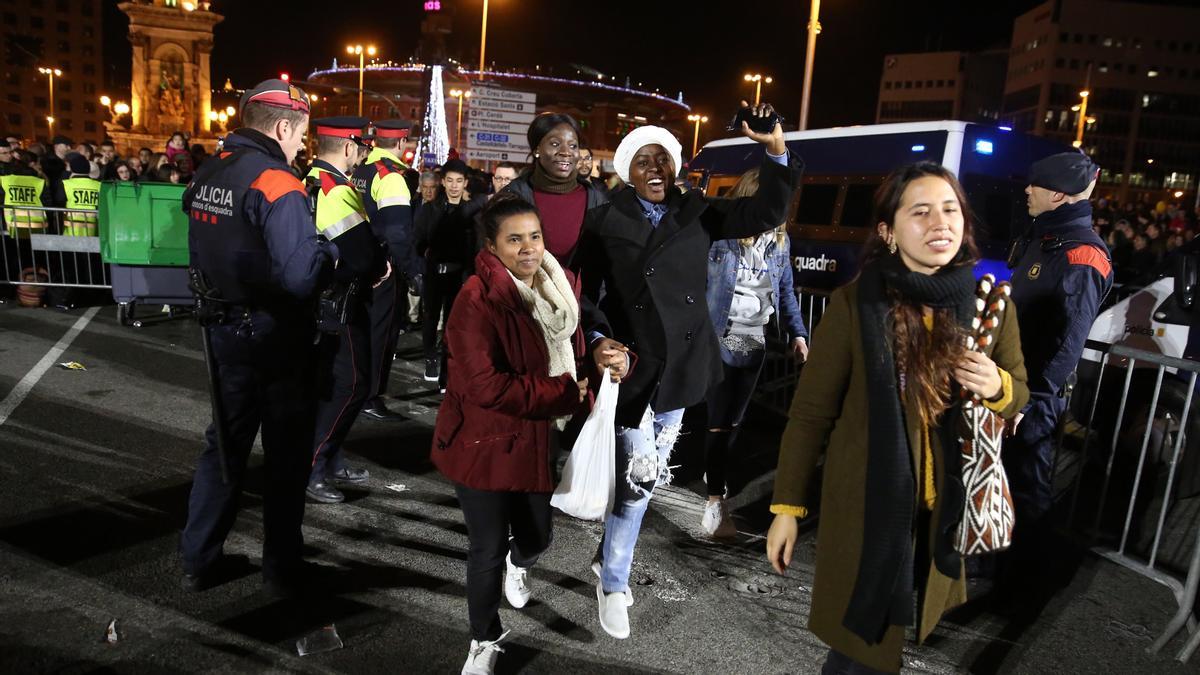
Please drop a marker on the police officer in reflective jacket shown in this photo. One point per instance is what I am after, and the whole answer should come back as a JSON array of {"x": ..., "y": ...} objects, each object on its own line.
[
  {"x": 388, "y": 201},
  {"x": 345, "y": 350},
  {"x": 1061, "y": 271},
  {"x": 251, "y": 237}
]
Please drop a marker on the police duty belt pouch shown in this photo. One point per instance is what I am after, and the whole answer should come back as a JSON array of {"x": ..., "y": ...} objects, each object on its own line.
[
  {"x": 335, "y": 307},
  {"x": 589, "y": 482},
  {"x": 987, "y": 521}
]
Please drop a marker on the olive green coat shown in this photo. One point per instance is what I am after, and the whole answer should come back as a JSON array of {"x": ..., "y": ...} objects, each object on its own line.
[{"x": 830, "y": 407}]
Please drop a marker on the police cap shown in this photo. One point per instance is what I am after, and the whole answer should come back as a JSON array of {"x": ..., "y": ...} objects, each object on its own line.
[
  {"x": 78, "y": 164},
  {"x": 392, "y": 129},
  {"x": 347, "y": 126},
  {"x": 1067, "y": 172},
  {"x": 277, "y": 94}
]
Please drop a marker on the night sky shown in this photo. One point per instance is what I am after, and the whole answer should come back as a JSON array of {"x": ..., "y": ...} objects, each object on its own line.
[{"x": 669, "y": 45}]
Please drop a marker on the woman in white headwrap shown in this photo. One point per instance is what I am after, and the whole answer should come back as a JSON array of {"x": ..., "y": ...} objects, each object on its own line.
[{"x": 642, "y": 260}]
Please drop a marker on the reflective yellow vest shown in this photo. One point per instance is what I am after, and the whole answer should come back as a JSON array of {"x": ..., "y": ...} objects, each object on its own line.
[
  {"x": 23, "y": 191},
  {"x": 388, "y": 188},
  {"x": 83, "y": 200},
  {"x": 339, "y": 206}
]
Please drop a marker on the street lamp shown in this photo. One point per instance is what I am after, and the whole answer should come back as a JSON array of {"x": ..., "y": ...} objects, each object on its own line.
[
  {"x": 1083, "y": 118},
  {"x": 460, "y": 95},
  {"x": 51, "y": 73},
  {"x": 362, "y": 53},
  {"x": 483, "y": 40},
  {"x": 221, "y": 117},
  {"x": 698, "y": 119},
  {"x": 758, "y": 80},
  {"x": 810, "y": 54}
]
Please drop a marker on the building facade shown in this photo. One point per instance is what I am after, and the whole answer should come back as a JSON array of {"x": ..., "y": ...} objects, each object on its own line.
[
  {"x": 941, "y": 86},
  {"x": 1139, "y": 64},
  {"x": 52, "y": 34}
]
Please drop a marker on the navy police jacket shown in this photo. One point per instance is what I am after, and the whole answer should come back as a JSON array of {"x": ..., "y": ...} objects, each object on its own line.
[
  {"x": 1057, "y": 286},
  {"x": 250, "y": 227}
]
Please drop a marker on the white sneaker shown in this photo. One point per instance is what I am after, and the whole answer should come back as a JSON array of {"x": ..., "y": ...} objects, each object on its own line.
[
  {"x": 716, "y": 521},
  {"x": 614, "y": 612},
  {"x": 628, "y": 594},
  {"x": 481, "y": 658},
  {"x": 516, "y": 583}
]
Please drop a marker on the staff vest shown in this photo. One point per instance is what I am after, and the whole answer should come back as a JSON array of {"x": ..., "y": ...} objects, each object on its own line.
[
  {"x": 23, "y": 191},
  {"x": 83, "y": 200}
]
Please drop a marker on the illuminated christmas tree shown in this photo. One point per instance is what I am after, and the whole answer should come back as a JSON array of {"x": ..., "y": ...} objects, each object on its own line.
[{"x": 435, "y": 138}]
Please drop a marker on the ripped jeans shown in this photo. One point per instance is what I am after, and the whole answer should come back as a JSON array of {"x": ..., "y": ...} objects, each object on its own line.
[{"x": 643, "y": 455}]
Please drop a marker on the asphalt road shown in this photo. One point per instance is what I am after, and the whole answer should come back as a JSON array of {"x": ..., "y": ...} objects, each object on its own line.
[{"x": 95, "y": 468}]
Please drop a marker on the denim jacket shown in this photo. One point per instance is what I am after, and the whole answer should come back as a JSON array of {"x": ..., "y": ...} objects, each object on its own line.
[{"x": 722, "y": 277}]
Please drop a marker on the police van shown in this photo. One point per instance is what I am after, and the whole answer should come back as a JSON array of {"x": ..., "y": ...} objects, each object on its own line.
[{"x": 831, "y": 215}]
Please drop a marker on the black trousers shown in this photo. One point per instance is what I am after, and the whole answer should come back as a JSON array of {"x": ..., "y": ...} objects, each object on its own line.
[
  {"x": 344, "y": 372},
  {"x": 387, "y": 317},
  {"x": 491, "y": 517},
  {"x": 727, "y": 403},
  {"x": 438, "y": 298},
  {"x": 265, "y": 368}
]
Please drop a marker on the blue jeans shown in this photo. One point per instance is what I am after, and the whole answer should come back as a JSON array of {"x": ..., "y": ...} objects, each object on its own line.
[{"x": 643, "y": 455}]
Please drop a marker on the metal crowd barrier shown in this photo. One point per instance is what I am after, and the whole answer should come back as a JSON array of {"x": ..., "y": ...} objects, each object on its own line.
[
  {"x": 1171, "y": 428},
  {"x": 51, "y": 247},
  {"x": 780, "y": 370}
]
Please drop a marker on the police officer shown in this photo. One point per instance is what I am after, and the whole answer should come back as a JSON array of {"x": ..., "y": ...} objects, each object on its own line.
[
  {"x": 251, "y": 236},
  {"x": 381, "y": 180},
  {"x": 1061, "y": 270},
  {"x": 345, "y": 355}
]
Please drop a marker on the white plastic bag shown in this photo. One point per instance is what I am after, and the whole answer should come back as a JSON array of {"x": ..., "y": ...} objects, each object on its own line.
[{"x": 589, "y": 483}]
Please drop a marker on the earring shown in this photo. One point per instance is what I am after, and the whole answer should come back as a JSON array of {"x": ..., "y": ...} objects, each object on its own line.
[{"x": 892, "y": 245}]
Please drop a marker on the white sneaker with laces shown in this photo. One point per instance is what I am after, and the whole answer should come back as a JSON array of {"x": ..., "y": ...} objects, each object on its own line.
[
  {"x": 614, "y": 612},
  {"x": 481, "y": 658},
  {"x": 516, "y": 583},
  {"x": 716, "y": 521}
]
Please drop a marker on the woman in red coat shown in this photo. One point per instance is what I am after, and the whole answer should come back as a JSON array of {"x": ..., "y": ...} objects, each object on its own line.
[{"x": 513, "y": 345}]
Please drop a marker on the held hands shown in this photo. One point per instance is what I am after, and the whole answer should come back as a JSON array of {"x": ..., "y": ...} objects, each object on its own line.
[
  {"x": 583, "y": 389},
  {"x": 610, "y": 354},
  {"x": 799, "y": 349},
  {"x": 979, "y": 375},
  {"x": 773, "y": 140},
  {"x": 781, "y": 539},
  {"x": 385, "y": 276}
]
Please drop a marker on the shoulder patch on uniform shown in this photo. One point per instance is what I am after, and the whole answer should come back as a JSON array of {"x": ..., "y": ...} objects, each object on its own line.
[
  {"x": 382, "y": 167},
  {"x": 328, "y": 182},
  {"x": 275, "y": 183},
  {"x": 1091, "y": 256}
]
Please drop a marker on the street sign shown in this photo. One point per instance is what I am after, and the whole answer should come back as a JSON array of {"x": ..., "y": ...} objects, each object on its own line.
[
  {"x": 490, "y": 140},
  {"x": 479, "y": 124},
  {"x": 506, "y": 106},
  {"x": 500, "y": 116},
  {"x": 519, "y": 157},
  {"x": 503, "y": 94}
]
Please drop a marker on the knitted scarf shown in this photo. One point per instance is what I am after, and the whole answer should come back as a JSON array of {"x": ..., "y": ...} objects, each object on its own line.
[
  {"x": 552, "y": 304},
  {"x": 883, "y": 589},
  {"x": 543, "y": 181}
]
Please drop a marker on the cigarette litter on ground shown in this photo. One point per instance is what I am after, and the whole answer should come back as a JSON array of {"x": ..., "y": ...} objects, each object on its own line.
[
  {"x": 71, "y": 365},
  {"x": 398, "y": 487},
  {"x": 110, "y": 633}
]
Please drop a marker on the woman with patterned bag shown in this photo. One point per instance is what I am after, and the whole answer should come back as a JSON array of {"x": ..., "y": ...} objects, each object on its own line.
[{"x": 885, "y": 405}]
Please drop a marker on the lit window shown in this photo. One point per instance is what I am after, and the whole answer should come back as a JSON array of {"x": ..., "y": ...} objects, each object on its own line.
[{"x": 1152, "y": 73}]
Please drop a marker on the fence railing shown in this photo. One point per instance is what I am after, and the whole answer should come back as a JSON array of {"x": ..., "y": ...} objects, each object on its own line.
[
  {"x": 52, "y": 247},
  {"x": 780, "y": 370}
]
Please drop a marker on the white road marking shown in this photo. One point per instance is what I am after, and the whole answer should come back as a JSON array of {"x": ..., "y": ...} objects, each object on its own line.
[{"x": 19, "y": 392}]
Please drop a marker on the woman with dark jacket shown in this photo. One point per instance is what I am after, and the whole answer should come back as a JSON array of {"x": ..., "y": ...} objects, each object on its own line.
[
  {"x": 641, "y": 259},
  {"x": 554, "y": 185},
  {"x": 881, "y": 400},
  {"x": 514, "y": 349},
  {"x": 749, "y": 282}
]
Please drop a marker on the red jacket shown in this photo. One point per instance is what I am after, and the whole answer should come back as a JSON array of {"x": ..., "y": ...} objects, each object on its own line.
[{"x": 493, "y": 427}]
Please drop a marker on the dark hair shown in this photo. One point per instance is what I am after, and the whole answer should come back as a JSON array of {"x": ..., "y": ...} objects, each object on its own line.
[
  {"x": 507, "y": 165},
  {"x": 457, "y": 166},
  {"x": 328, "y": 145},
  {"x": 144, "y": 149},
  {"x": 544, "y": 123},
  {"x": 389, "y": 143},
  {"x": 502, "y": 207},
  {"x": 926, "y": 358}
]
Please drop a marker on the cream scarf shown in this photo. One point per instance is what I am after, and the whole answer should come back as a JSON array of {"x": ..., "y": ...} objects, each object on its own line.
[{"x": 552, "y": 303}]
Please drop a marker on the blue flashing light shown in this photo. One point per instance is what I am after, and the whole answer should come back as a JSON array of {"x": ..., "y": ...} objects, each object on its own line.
[
  {"x": 918, "y": 148},
  {"x": 984, "y": 147},
  {"x": 1005, "y": 128}
]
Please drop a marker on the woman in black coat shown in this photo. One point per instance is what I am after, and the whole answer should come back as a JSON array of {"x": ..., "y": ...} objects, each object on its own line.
[{"x": 642, "y": 261}]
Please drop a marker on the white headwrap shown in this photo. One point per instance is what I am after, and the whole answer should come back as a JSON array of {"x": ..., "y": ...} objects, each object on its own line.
[{"x": 640, "y": 138}]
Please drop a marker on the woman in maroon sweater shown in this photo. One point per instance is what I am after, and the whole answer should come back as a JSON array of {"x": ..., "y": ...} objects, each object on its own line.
[{"x": 554, "y": 185}]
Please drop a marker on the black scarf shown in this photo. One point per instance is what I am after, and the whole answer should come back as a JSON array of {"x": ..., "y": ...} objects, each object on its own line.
[
  {"x": 883, "y": 589},
  {"x": 544, "y": 182}
]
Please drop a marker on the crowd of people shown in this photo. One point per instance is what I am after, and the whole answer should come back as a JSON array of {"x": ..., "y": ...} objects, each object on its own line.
[
  {"x": 534, "y": 284},
  {"x": 1140, "y": 236}
]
